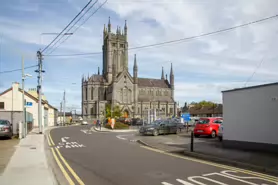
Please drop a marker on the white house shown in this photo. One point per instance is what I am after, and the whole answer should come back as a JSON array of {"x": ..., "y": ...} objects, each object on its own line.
[
  {"x": 250, "y": 117},
  {"x": 11, "y": 107}
]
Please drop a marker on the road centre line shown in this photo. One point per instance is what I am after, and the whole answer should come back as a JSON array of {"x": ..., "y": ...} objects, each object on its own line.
[
  {"x": 51, "y": 140},
  {"x": 69, "y": 168},
  {"x": 62, "y": 168},
  {"x": 48, "y": 141},
  {"x": 264, "y": 176}
]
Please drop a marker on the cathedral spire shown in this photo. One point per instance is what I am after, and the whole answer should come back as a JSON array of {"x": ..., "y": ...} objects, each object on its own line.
[
  {"x": 109, "y": 25},
  {"x": 162, "y": 74},
  {"x": 135, "y": 70},
  {"x": 125, "y": 29},
  {"x": 172, "y": 76},
  {"x": 135, "y": 62},
  {"x": 171, "y": 71},
  {"x": 98, "y": 70}
]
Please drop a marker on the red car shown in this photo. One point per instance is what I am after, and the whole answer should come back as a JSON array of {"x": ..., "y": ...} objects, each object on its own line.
[{"x": 207, "y": 126}]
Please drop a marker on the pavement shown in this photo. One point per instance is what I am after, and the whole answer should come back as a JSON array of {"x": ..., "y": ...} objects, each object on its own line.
[
  {"x": 7, "y": 148},
  {"x": 91, "y": 157},
  {"x": 28, "y": 164},
  {"x": 103, "y": 129}
]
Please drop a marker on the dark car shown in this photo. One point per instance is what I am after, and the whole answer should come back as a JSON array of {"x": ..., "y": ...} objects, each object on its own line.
[
  {"x": 6, "y": 129},
  {"x": 161, "y": 127}
]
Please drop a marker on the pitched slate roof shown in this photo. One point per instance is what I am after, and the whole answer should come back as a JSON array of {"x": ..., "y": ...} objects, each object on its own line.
[
  {"x": 155, "y": 99},
  {"x": 150, "y": 82},
  {"x": 97, "y": 78}
]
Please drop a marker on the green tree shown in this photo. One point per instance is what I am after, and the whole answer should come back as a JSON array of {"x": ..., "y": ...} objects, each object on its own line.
[
  {"x": 108, "y": 110},
  {"x": 117, "y": 111},
  {"x": 185, "y": 107},
  {"x": 204, "y": 103}
]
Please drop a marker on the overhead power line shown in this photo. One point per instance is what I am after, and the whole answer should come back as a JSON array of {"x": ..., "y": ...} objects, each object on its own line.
[
  {"x": 66, "y": 26},
  {"x": 14, "y": 70},
  {"x": 72, "y": 27},
  {"x": 80, "y": 24},
  {"x": 177, "y": 40}
]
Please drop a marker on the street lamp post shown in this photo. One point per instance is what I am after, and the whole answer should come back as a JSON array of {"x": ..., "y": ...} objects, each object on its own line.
[{"x": 24, "y": 76}]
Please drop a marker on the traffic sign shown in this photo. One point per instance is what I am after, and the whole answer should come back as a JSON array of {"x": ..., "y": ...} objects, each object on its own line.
[{"x": 29, "y": 104}]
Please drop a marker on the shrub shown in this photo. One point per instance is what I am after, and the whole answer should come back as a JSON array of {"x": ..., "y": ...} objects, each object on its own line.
[{"x": 118, "y": 125}]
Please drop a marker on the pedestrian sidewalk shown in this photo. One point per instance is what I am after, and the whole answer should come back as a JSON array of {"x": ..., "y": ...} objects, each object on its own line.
[
  {"x": 29, "y": 165},
  {"x": 214, "y": 151},
  {"x": 103, "y": 129}
]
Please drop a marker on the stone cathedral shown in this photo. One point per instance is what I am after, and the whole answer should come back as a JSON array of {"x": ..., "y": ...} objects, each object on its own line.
[{"x": 115, "y": 86}]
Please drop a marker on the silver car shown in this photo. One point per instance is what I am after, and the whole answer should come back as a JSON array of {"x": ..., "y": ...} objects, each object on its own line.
[{"x": 6, "y": 129}]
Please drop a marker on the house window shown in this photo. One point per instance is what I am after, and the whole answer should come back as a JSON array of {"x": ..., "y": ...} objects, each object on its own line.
[
  {"x": 113, "y": 44},
  {"x": 171, "y": 110},
  {"x": 86, "y": 94},
  {"x": 2, "y": 105},
  {"x": 92, "y": 94},
  {"x": 138, "y": 109},
  {"x": 122, "y": 46},
  {"x": 92, "y": 111}
]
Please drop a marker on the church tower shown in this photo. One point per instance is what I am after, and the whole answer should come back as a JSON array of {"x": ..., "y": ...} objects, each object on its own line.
[{"x": 115, "y": 51}]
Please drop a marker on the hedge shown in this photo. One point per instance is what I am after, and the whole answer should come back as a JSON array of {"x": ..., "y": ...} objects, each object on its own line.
[{"x": 118, "y": 125}]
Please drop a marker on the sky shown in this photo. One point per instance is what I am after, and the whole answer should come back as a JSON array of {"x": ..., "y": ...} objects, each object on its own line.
[{"x": 202, "y": 67}]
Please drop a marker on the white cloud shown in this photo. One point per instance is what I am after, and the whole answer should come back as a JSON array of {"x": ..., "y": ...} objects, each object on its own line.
[{"x": 213, "y": 60}]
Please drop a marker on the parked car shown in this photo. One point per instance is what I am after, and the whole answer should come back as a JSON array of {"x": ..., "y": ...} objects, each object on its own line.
[
  {"x": 207, "y": 126},
  {"x": 220, "y": 132},
  {"x": 6, "y": 129},
  {"x": 161, "y": 127},
  {"x": 84, "y": 122}
]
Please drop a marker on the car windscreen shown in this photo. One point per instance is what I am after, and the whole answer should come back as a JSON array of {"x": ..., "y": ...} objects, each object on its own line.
[
  {"x": 157, "y": 122},
  {"x": 203, "y": 121},
  {"x": 3, "y": 122}
]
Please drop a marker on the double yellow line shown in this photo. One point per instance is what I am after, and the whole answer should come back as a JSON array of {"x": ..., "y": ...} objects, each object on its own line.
[
  {"x": 62, "y": 168},
  {"x": 256, "y": 174}
]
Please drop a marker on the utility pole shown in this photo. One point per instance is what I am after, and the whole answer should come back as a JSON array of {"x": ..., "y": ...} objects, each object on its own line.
[
  {"x": 40, "y": 71},
  {"x": 64, "y": 98},
  {"x": 23, "y": 98},
  {"x": 61, "y": 106}
]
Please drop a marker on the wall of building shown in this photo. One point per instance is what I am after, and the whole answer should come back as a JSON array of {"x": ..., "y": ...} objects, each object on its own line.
[
  {"x": 250, "y": 115},
  {"x": 14, "y": 117}
]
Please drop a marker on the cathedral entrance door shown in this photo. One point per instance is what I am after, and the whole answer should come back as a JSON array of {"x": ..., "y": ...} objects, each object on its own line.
[{"x": 126, "y": 114}]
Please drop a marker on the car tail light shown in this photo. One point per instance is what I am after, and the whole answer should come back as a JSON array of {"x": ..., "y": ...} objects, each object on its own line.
[{"x": 5, "y": 128}]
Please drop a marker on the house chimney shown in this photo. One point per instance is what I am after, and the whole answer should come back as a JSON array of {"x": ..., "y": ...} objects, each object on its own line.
[{"x": 15, "y": 86}]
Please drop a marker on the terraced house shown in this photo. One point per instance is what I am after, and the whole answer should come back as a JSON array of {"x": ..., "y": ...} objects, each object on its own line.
[{"x": 116, "y": 86}]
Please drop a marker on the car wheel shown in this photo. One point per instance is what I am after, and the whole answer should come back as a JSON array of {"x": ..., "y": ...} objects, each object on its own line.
[
  {"x": 213, "y": 134},
  {"x": 155, "y": 133},
  {"x": 220, "y": 138},
  {"x": 196, "y": 135}
]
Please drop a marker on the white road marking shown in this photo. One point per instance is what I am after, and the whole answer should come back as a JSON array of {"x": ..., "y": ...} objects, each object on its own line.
[
  {"x": 69, "y": 144},
  {"x": 208, "y": 179},
  {"x": 64, "y": 139},
  {"x": 231, "y": 177},
  {"x": 226, "y": 174},
  {"x": 166, "y": 183},
  {"x": 121, "y": 137}
]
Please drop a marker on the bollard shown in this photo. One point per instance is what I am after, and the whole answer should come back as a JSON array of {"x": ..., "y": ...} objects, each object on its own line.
[{"x": 192, "y": 142}]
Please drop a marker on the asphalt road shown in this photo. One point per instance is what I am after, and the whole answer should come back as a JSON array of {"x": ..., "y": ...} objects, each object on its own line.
[{"x": 103, "y": 159}]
